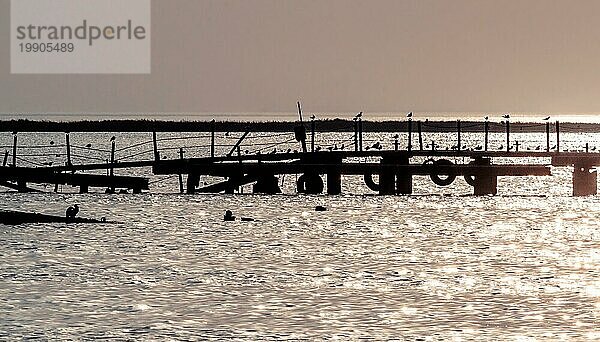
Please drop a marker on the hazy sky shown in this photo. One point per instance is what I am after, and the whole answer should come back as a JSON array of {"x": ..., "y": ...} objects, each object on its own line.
[{"x": 341, "y": 55}]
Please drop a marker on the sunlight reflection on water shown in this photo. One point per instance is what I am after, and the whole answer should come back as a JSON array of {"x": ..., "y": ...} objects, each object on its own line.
[
  {"x": 377, "y": 267},
  {"x": 437, "y": 266}
]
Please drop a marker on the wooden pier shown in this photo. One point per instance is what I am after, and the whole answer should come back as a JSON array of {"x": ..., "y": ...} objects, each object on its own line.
[{"x": 387, "y": 172}]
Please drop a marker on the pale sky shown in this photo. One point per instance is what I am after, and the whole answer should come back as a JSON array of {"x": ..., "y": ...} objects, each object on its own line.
[{"x": 341, "y": 56}]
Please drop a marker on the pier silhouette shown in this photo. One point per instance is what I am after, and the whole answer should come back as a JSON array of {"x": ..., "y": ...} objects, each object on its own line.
[{"x": 313, "y": 163}]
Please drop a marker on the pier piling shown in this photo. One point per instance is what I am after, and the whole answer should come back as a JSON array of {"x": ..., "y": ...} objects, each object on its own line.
[
  {"x": 14, "y": 154},
  {"x": 486, "y": 128},
  {"x": 557, "y": 136},
  {"x": 458, "y": 133},
  {"x": 585, "y": 180},
  {"x": 68, "y": 142},
  {"x": 181, "y": 190},
  {"x": 155, "y": 145},
  {"x": 548, "y": 136}
]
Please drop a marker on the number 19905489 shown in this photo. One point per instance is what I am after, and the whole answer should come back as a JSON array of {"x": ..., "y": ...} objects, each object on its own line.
[{"x": 47, "y": 47}]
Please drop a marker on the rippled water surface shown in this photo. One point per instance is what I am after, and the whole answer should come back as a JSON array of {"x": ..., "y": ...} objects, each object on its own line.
[{"x": 524, "y": 265}]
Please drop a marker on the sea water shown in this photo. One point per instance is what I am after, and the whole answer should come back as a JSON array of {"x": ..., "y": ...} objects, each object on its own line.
[{"x": 438, "y": 265}]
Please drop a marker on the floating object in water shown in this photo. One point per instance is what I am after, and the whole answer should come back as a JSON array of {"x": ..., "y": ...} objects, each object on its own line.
[
  {"x": 228, "y": 216},
  {"x": 247, "y": 219},
  {"x": 17, "y": 217},
  {"x": 320, "y": 208},
  {"x": 72, "y": 212}
]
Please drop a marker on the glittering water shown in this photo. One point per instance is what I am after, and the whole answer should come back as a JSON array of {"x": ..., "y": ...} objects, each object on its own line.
[{"x": 439, "y": 265}]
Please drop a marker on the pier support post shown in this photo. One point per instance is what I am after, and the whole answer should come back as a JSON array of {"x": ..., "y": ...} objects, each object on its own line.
[
  {"x": 386, "y": 182},
  {"x": 155, "y": 145},
  {"x": 334, "y": 182},
  {"x": 355, "y": 134},
  {"x": 312, "y": 134},
  {"x": 507, "y": 135},
  {"x": 212, "y": 138},
  {"x": 486, "y": 185},
  {"x": 360, "y": 133},
  {"x": 68, "y": 141},
  {"x": 486, "y": 128},
  {"x": 84, "y": 189},
  {"x": 585, "y": 180},
  {"x": 193, "y": 180},
  {"x": 458, "y": 132},
  {"x": 180, "y": 175},
  {"x": 5, "y": 159},
  {"x": 404, "y": 180},
  {"x": 557, "y": 136},
  {"x": 548, "y": 136},
  {"x": 267, "y": 184},
  {"x": 483, "y": 183},
  {"x": 409, "y": 147},
  {"x": 22, "y": 186},
  {"x": 14, "y": 155},
  {"x": 420, "y": 131}
]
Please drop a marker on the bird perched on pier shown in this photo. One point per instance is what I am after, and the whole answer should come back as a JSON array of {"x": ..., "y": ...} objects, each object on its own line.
[
  {"x": 409, "y": 115},
  {"x": 506, "y": 116},
  {"x": 113, "y": 138},
  {"x": 312, "y": 117},
  {"x": 72, "y": 211},
  {"x": 486, "y": 118},
  {"x": 359, "y": 115},
  {"x": 546, "y": 118}
]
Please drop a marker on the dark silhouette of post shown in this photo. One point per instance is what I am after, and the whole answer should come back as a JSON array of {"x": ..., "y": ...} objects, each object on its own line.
[
  {"x": 486, "y": 128},
  {"x": 239, "y": 142},
  {"x": 5, "y": 159},
  {"x": 181, "y": 152},
  {"x": 517, "y": 146},
  {"x": 419, "y": 130},
  {"x": 557, "y": 136},
  {"x": 300, "y": 130},
  {"x": 587, "y": 147},
  {"x": 212, "y": 138},
  {"x": 409, "y": 147},
  {"x": 14, "y": 155},
  {"x": 312, "y": 134},
  {"x": 507, "y": 135},
  {"x": 155, "y": 144},
  {"x": 360, "y": 133},
  {"x": 396, "y": 142},
  {"x": 112, "y": 163},
  {"x": 355, "y": 120},
  {"x": 548, "y": 136},
  {"x": 68, "y": 141},
  {"x": 458, "y": 132}
]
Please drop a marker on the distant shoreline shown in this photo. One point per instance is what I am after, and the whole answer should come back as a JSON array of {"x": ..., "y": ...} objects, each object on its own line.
[{"x": 327, "y": 125}]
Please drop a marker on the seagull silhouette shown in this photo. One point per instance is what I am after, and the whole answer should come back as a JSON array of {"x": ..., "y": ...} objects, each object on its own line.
[
  {"x": 113, "y": 138},
  {"x": 359, "y": 115},
  {"x": 486, "y": 118},
  {"x": 506, "y": 116},
  {"x": 312, "y": 117},
  {"x": 409, "y": 115},
  {"x": 547, "y": 118}
]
